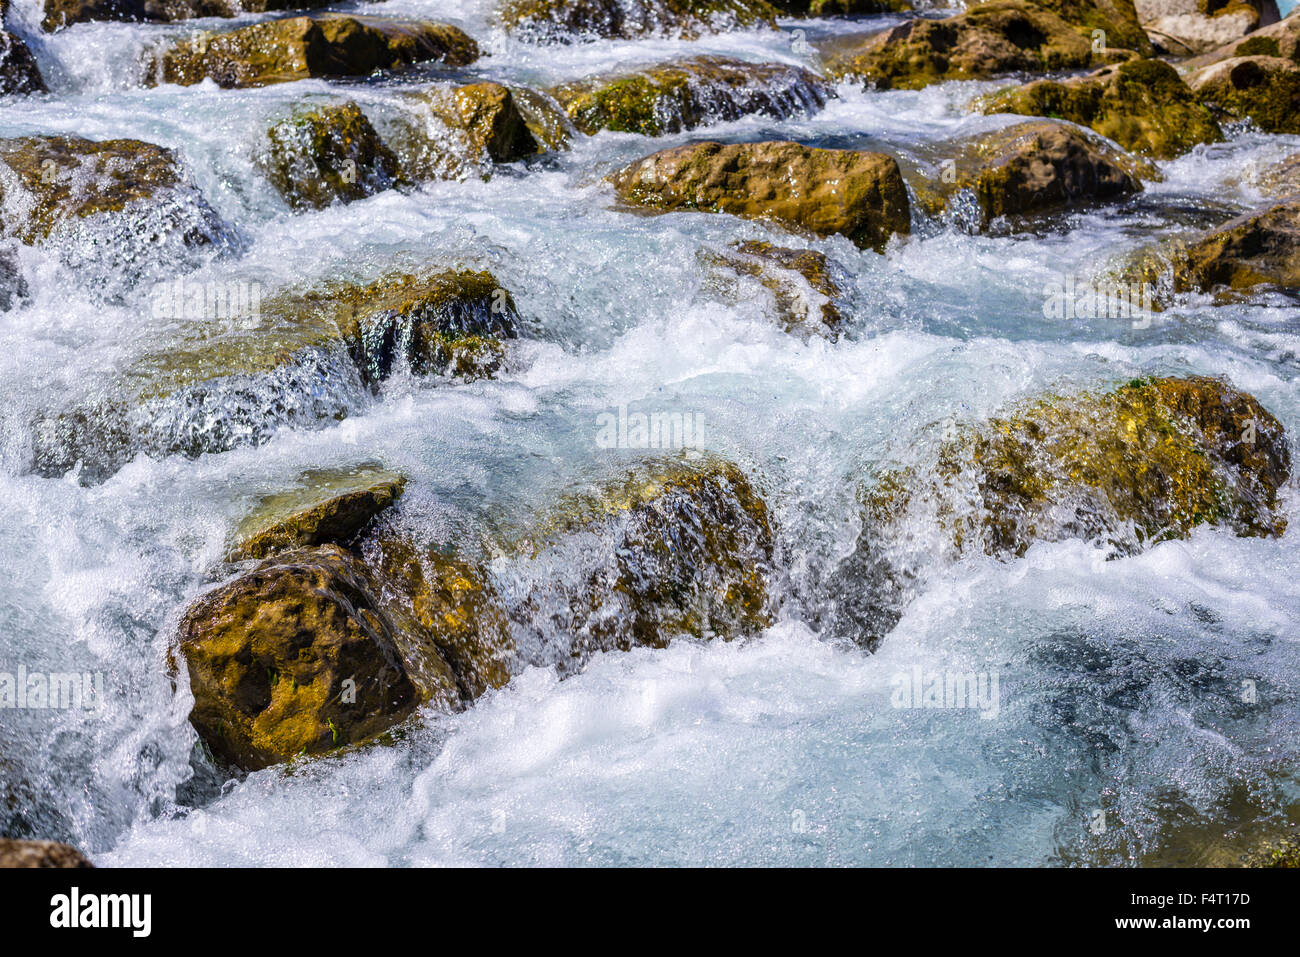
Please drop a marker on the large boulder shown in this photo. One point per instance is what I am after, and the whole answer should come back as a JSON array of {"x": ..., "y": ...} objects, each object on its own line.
[
  {"x": 1265, "y": 89},
  {"x": 62, "y": 13},
  {"x": 1030, "y": 168},
  {"x": 1280, "y": 38},
  {"x": 682, "y": 95},
  {"x": 1146, "y": 462},
  {"x": 328, "y": 507},
  {"x": 1143, "y": 105},
  {"x": 323, "y": 45},
  {"x": 671, "y": 548},
  {"x": 857, "y": 194},
  {"x": 1195, "y": 26},
  {"x": 988, "y": 40},
  {"x": 296, "y": 657},
  {"x": 803, "y": 283},
  {"x": 40, "y": 854},
  {"x": 300, "y": 359},
  {"x": 563, "y": 21},
  {"x": 321, "y": 155}
]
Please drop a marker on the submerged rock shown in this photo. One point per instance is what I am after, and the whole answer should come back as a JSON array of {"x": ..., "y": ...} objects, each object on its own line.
[
  {"x": 40, "y": 854},
  {"x": 299, "y": 359},
  {"x": 856, "y": 194},
  {"x": 323, "y": 45},
  {"x": 329, "y": 508},
  {"x": 327, "y": 154},
  {"x": 1026, "y": 168},
  {"x": 1265, "y": 89},
  {"x": 1143, "y": 105},
  {"x": 671, "y": 548},
  {"x": 295, "y": 657},
  {"x": 563, "y": 21},
  {"x": 1147, "y": 462},
  {"x": 802, "y": 281},
  {"x": 988, "y": 40},
  {"x": 682, "y": 95}
]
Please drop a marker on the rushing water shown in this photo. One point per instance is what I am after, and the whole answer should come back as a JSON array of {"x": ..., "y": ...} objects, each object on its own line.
[{"x": 1119, "y": 731}]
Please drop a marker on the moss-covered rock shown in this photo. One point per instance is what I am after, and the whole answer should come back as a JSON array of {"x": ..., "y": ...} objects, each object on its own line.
[
  {"x": 15, "y": 853},
  {"x": 856, "y": 194},
  {"x": 326, "y": 154},
  {"x": 58, "y": 181},
  {"x": 329, "y": 507},
  {"x": 802, "y": 282},
  {"x": 544, "y": 117},
  {"x": 1265, "y": 89},
  {"x": 1026, "y": 169},
  {"x": 295, "y": 657},
  {"x": 563, "y": 21},
  {"x": 303, "y": 358},
  {"x": 1143, "y": 105},
  {"x": 670, "y": 548},
  {"x": 672, "y": 97},
  {"x": 448, "y": 132},
  {"x": 18, "y": 70},
  {"x": 323, "y": 45},
  {"x": 62, "y": 13},
  {"x": 988, "y": 40},
  {"x": 1147, "y": 462}
]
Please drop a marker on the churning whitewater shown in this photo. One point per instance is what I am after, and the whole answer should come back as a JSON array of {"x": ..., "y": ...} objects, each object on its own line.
[{"x": 1066, "y": 703}]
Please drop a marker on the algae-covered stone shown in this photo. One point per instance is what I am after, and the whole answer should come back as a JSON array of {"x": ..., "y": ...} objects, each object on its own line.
[
  {"x": 1143, "y": 105},
  {"x": 447, "y": 132},
  {"x": 61, "y": 13},
  {"x": 487, "y": 112},
  {"x": 672, "y": 97},
  {"x": 294, "y": 657},
  {"x": 563, "y": 21},
  {"x": 670, "y": 548},
  {"x": 323, "y": 45},
  {"x": 1285, "y": 854},
  {"x": 327, "y": 154},
  {"x": 1265, "y": 89},
  {"x": 1027, "y": 168},
  {"x": 18, "y": 70},
  {"x": 802, "y": 281},
  {"x": 1147, "y": 462},
  {"x": 328, "y": 508},
  {"x": 544, "y": 117},
  {"x": 14, "y": 853},
  {"x": 59, "y": 181},
  {"x": 857, "y": 194},
  {"x": 988, "y": 40}
]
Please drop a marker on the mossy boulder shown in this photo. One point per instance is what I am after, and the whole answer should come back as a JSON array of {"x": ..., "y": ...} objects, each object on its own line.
[
  {"x": 448, "y": 132},
  {"x": 323, "y": 45},
  {"x": 18, "y": 70},
  {"x": 302, "y": 359},
  {"x": 857, "y": 194},
  {"x": 329, "y": 507},
  {"x": 1265, "y": 89},
  {"x": 14, "y": 853},
  {"x": 62, "y": 13},
  {"x": 493, "y": 123},
  {"x": 672, "y": 547},
  {"x": 563, "y": 21},
  {"x": 60, "y": 181},
  {"x": 683, "y": 95},
  {"x": 803, "y": 282},
  {"x": 1146, "y": 462},
  {"x": 1143, "y": 105},
  {"x": 326, "y": 154},
  {"x": 295, "y": 657},
  {"x": 1025, "y": 169},
  {"x": 988, "y": 40}
]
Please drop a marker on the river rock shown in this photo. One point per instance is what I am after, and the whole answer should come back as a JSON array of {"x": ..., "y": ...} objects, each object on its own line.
[
  {"x": 15, "y": 853},
  {"x": 1280, "y": 179},
  {"x": 682, "y": 95},
  {"x": 295, "y": 657},
  {"x": 544, "y": 117},
  {"x": 1026, "y": 169},
  {"x": 1265, "y": 89},
  {"x": 1146, "y": 462},
  {"x": 854, "y": 193},
  {"x": 988, "y": 40},
  {"x": 322, "y": 45},
  {"x": 327, "y": 154},
  {"x": 564, "y": 21},
  {"x": 327, "y": 508},
  {"x": 1185, "y": 27},
  {"x": 1281, "y": 39},
  {"x": 802, "y": 282},
  {"x": 18, "y": 70},
  {"x": 447, "y": 132},
  {"x": 1143, "y": 105}
]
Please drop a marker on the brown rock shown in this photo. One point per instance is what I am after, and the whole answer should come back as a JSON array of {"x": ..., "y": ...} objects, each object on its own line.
[{"x": 39, "y": 854}]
